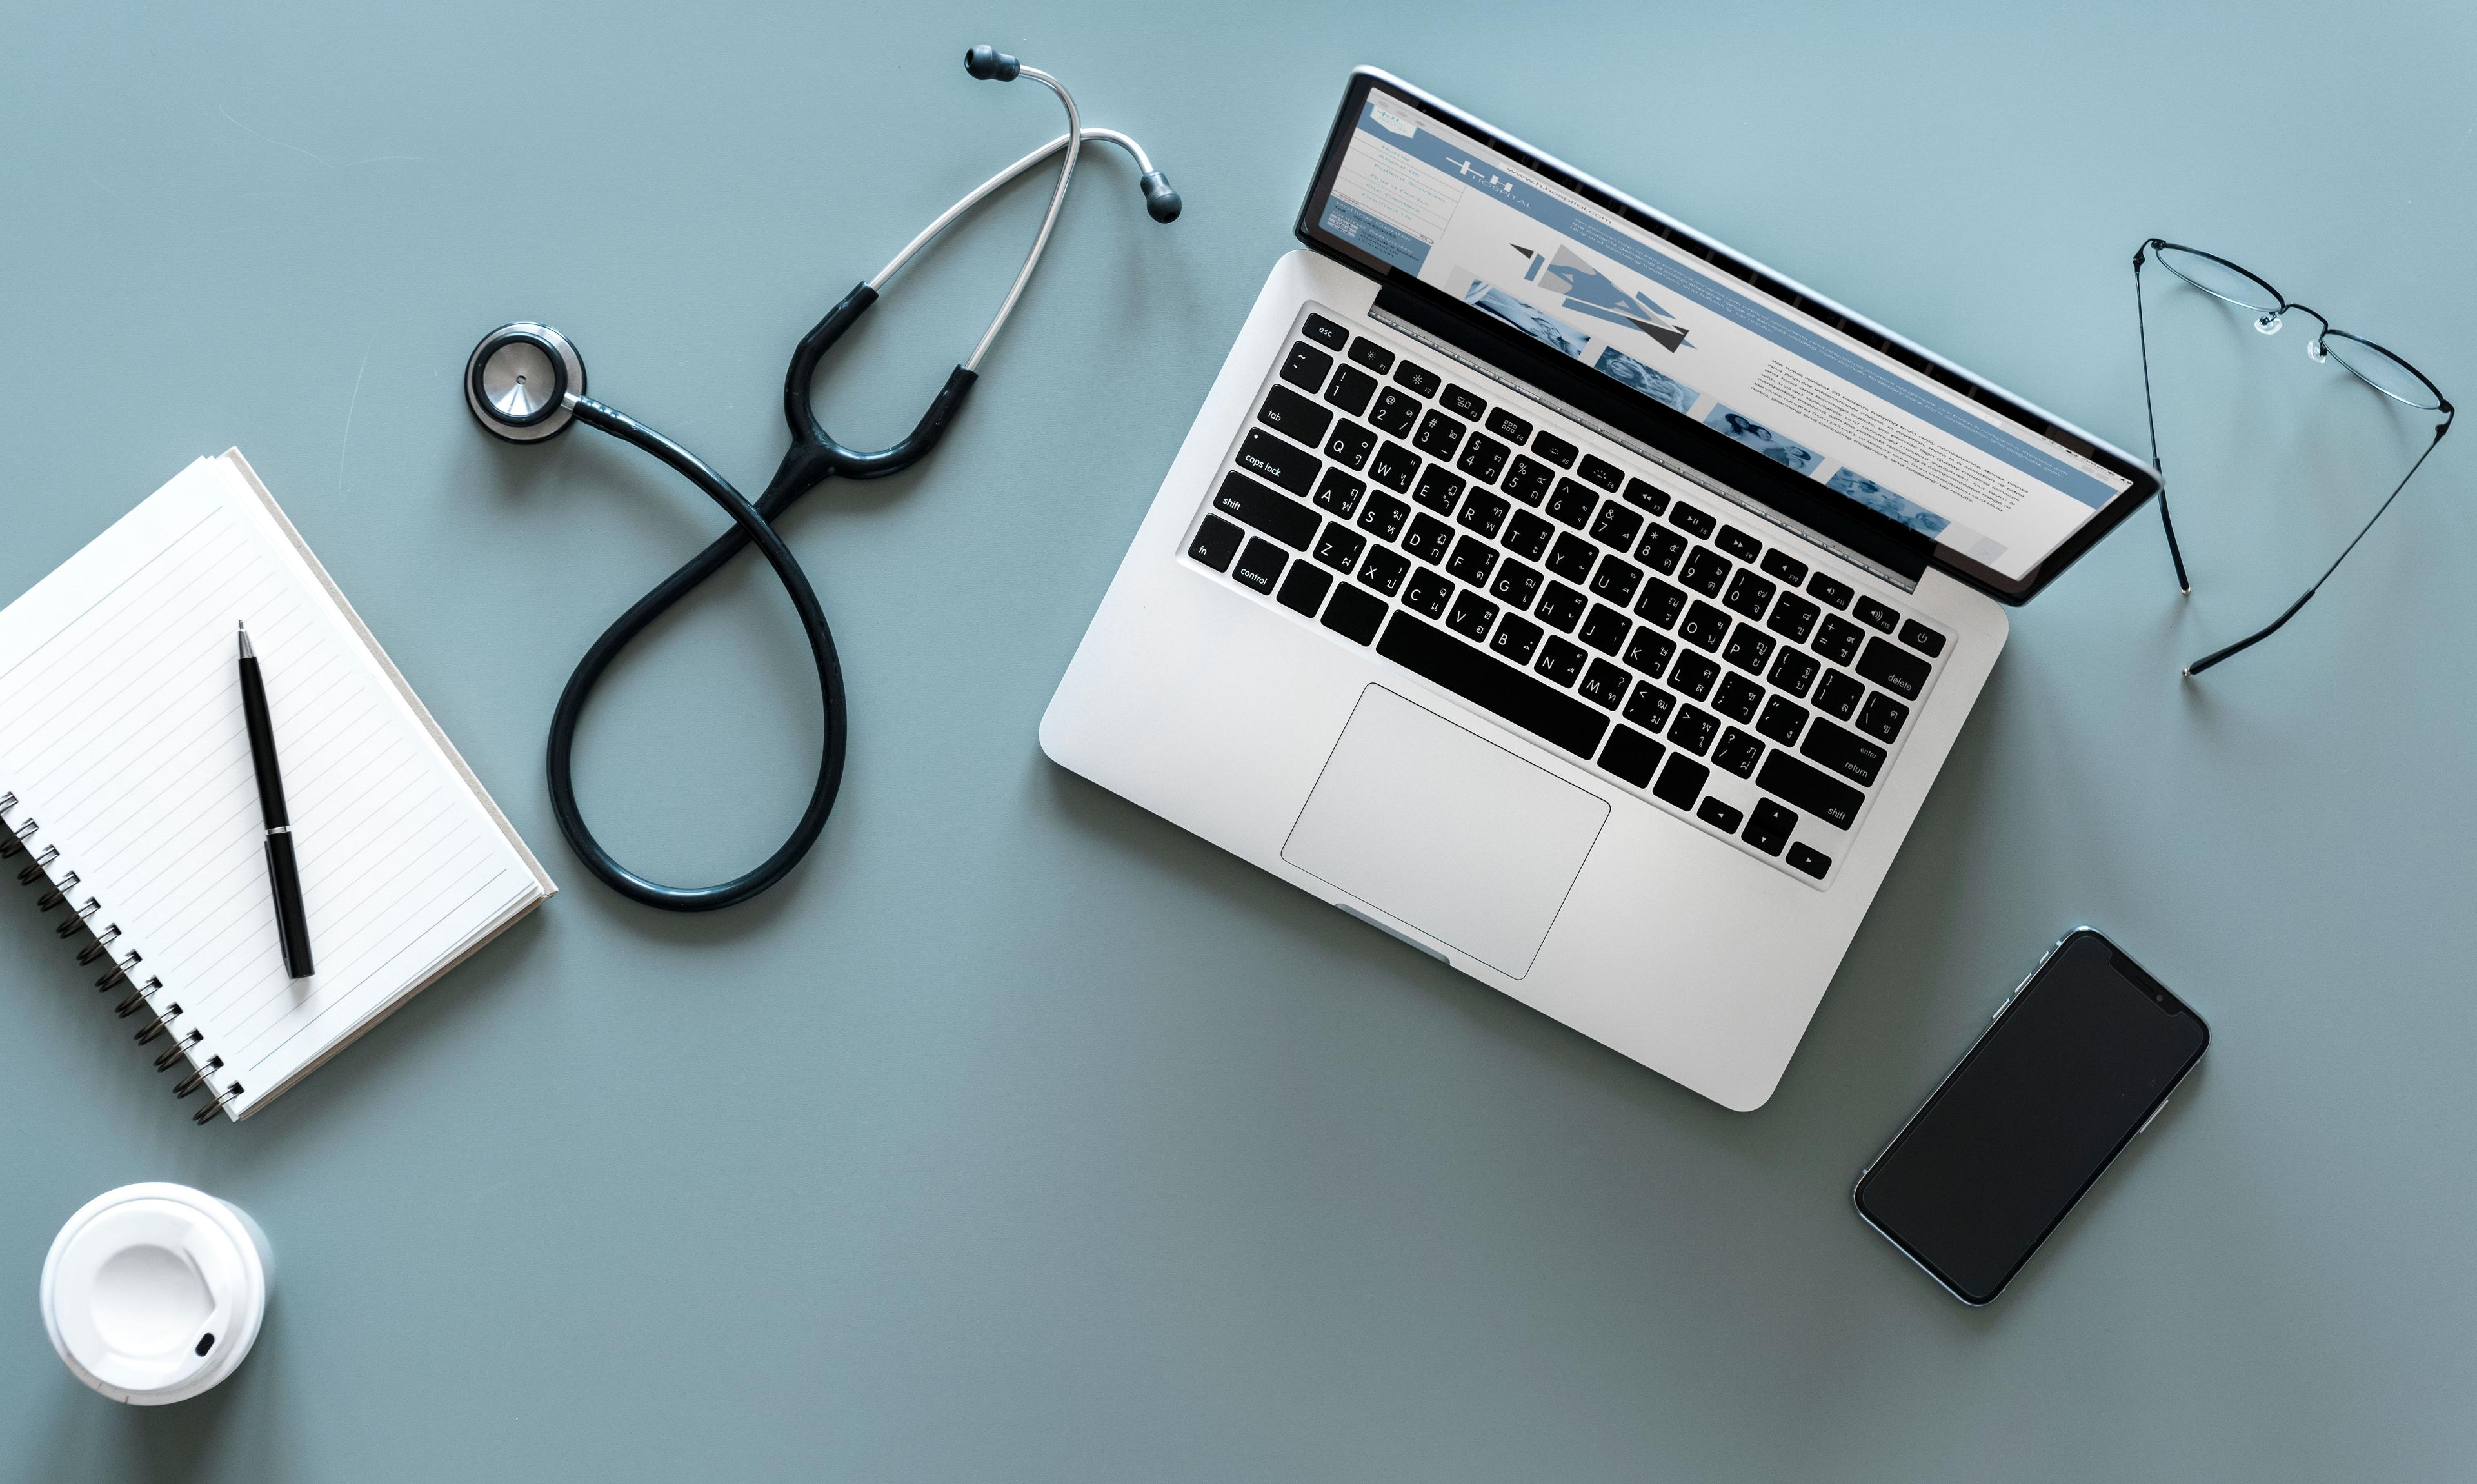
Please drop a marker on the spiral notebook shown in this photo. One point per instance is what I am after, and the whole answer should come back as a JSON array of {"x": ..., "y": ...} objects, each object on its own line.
[{"x": 127, "y": 791}]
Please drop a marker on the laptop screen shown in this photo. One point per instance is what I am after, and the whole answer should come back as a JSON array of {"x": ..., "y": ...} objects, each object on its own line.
[{"x": 1709, "y": 336}]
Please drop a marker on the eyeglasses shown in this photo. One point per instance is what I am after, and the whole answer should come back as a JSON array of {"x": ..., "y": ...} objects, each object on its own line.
[{"x": 2359, "y": 357}]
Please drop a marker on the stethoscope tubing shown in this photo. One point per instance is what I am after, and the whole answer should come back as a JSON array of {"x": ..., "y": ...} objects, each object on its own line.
[{"x": 749, "y": 526}]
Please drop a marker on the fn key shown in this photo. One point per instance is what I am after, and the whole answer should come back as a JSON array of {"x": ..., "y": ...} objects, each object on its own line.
[{"x": 1215, "y": 542}]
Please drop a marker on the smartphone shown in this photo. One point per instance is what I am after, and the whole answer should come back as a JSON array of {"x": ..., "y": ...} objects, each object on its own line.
[{"x": 2082, "y": 1056}]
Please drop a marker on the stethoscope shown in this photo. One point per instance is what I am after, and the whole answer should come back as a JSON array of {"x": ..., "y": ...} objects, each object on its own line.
[{"x": 526, "y": 383}]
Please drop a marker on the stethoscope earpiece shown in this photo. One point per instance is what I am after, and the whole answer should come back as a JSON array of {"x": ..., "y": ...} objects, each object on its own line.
[
  {"x": 1161, "y": 201},
  {"x": 522, "y": 382},
  {"x": 992, "y": 65}
]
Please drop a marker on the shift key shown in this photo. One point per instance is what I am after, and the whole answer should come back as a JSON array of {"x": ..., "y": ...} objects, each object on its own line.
[
  {"x": 1276, "y": 515},
  {"x": 1279, "y": 460},
  {"x": 1816, "y": 792}
]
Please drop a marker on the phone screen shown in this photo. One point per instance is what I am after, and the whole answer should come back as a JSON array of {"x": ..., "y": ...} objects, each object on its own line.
[{"x": 2074, "y": 1066}]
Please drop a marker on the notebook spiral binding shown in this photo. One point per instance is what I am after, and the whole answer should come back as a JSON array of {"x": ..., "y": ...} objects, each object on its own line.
[{"x": 86, "y": 918}]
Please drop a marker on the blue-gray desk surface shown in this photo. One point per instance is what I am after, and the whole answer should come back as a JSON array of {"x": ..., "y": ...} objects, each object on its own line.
[{"x": 1021, "y": 1136}]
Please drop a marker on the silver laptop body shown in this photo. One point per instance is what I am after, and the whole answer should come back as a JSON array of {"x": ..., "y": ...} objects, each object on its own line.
[{"x": 1467, "y": 608}]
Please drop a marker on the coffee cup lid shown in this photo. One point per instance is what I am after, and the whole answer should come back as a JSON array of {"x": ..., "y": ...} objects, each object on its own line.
[{"x": 154, "y": 1293}]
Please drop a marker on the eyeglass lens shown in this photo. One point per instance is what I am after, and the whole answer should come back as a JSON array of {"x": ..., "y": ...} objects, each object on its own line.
[
  {"x": 2218, "y": 279},
  {"x": 2380, "y": 370}
]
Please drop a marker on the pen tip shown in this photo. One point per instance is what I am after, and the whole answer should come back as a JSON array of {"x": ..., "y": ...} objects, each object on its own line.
[{"x": 246, "y": 652}]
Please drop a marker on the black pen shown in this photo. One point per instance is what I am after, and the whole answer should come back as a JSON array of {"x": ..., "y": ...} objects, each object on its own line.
[{"x": 282, "y": 868}]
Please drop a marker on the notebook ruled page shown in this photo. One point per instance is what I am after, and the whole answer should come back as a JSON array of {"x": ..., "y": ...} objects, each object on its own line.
[{"x": 121, "y": 735}]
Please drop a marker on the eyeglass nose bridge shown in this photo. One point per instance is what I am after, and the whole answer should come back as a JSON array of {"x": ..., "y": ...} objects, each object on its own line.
[{"x": 2272, "y": 320}]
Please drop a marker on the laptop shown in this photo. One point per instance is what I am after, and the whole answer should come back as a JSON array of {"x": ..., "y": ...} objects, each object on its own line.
[{"x": 1569, "y": 596}]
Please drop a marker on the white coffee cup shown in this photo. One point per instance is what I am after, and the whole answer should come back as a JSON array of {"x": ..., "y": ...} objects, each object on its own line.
[{"x": 154, "y": 1293}]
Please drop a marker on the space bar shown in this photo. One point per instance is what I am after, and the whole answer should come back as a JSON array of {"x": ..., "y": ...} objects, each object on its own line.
[{"x": 1493, "y": 686}]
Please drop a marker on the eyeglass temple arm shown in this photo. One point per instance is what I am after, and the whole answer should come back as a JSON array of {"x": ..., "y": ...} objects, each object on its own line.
[
  {"x": 2274, "y": 626},
  {"x": 2184, "y": 584}
]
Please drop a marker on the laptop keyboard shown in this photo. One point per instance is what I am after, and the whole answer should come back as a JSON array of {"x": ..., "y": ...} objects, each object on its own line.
[{"x": 1659, "y": 640}]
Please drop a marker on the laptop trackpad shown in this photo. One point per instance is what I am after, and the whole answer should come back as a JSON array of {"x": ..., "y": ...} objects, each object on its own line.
[{"x": 1446, "y": 830}]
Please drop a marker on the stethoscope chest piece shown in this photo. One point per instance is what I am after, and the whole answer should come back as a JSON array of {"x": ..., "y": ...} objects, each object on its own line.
[{"x": 521, "y": 382}]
